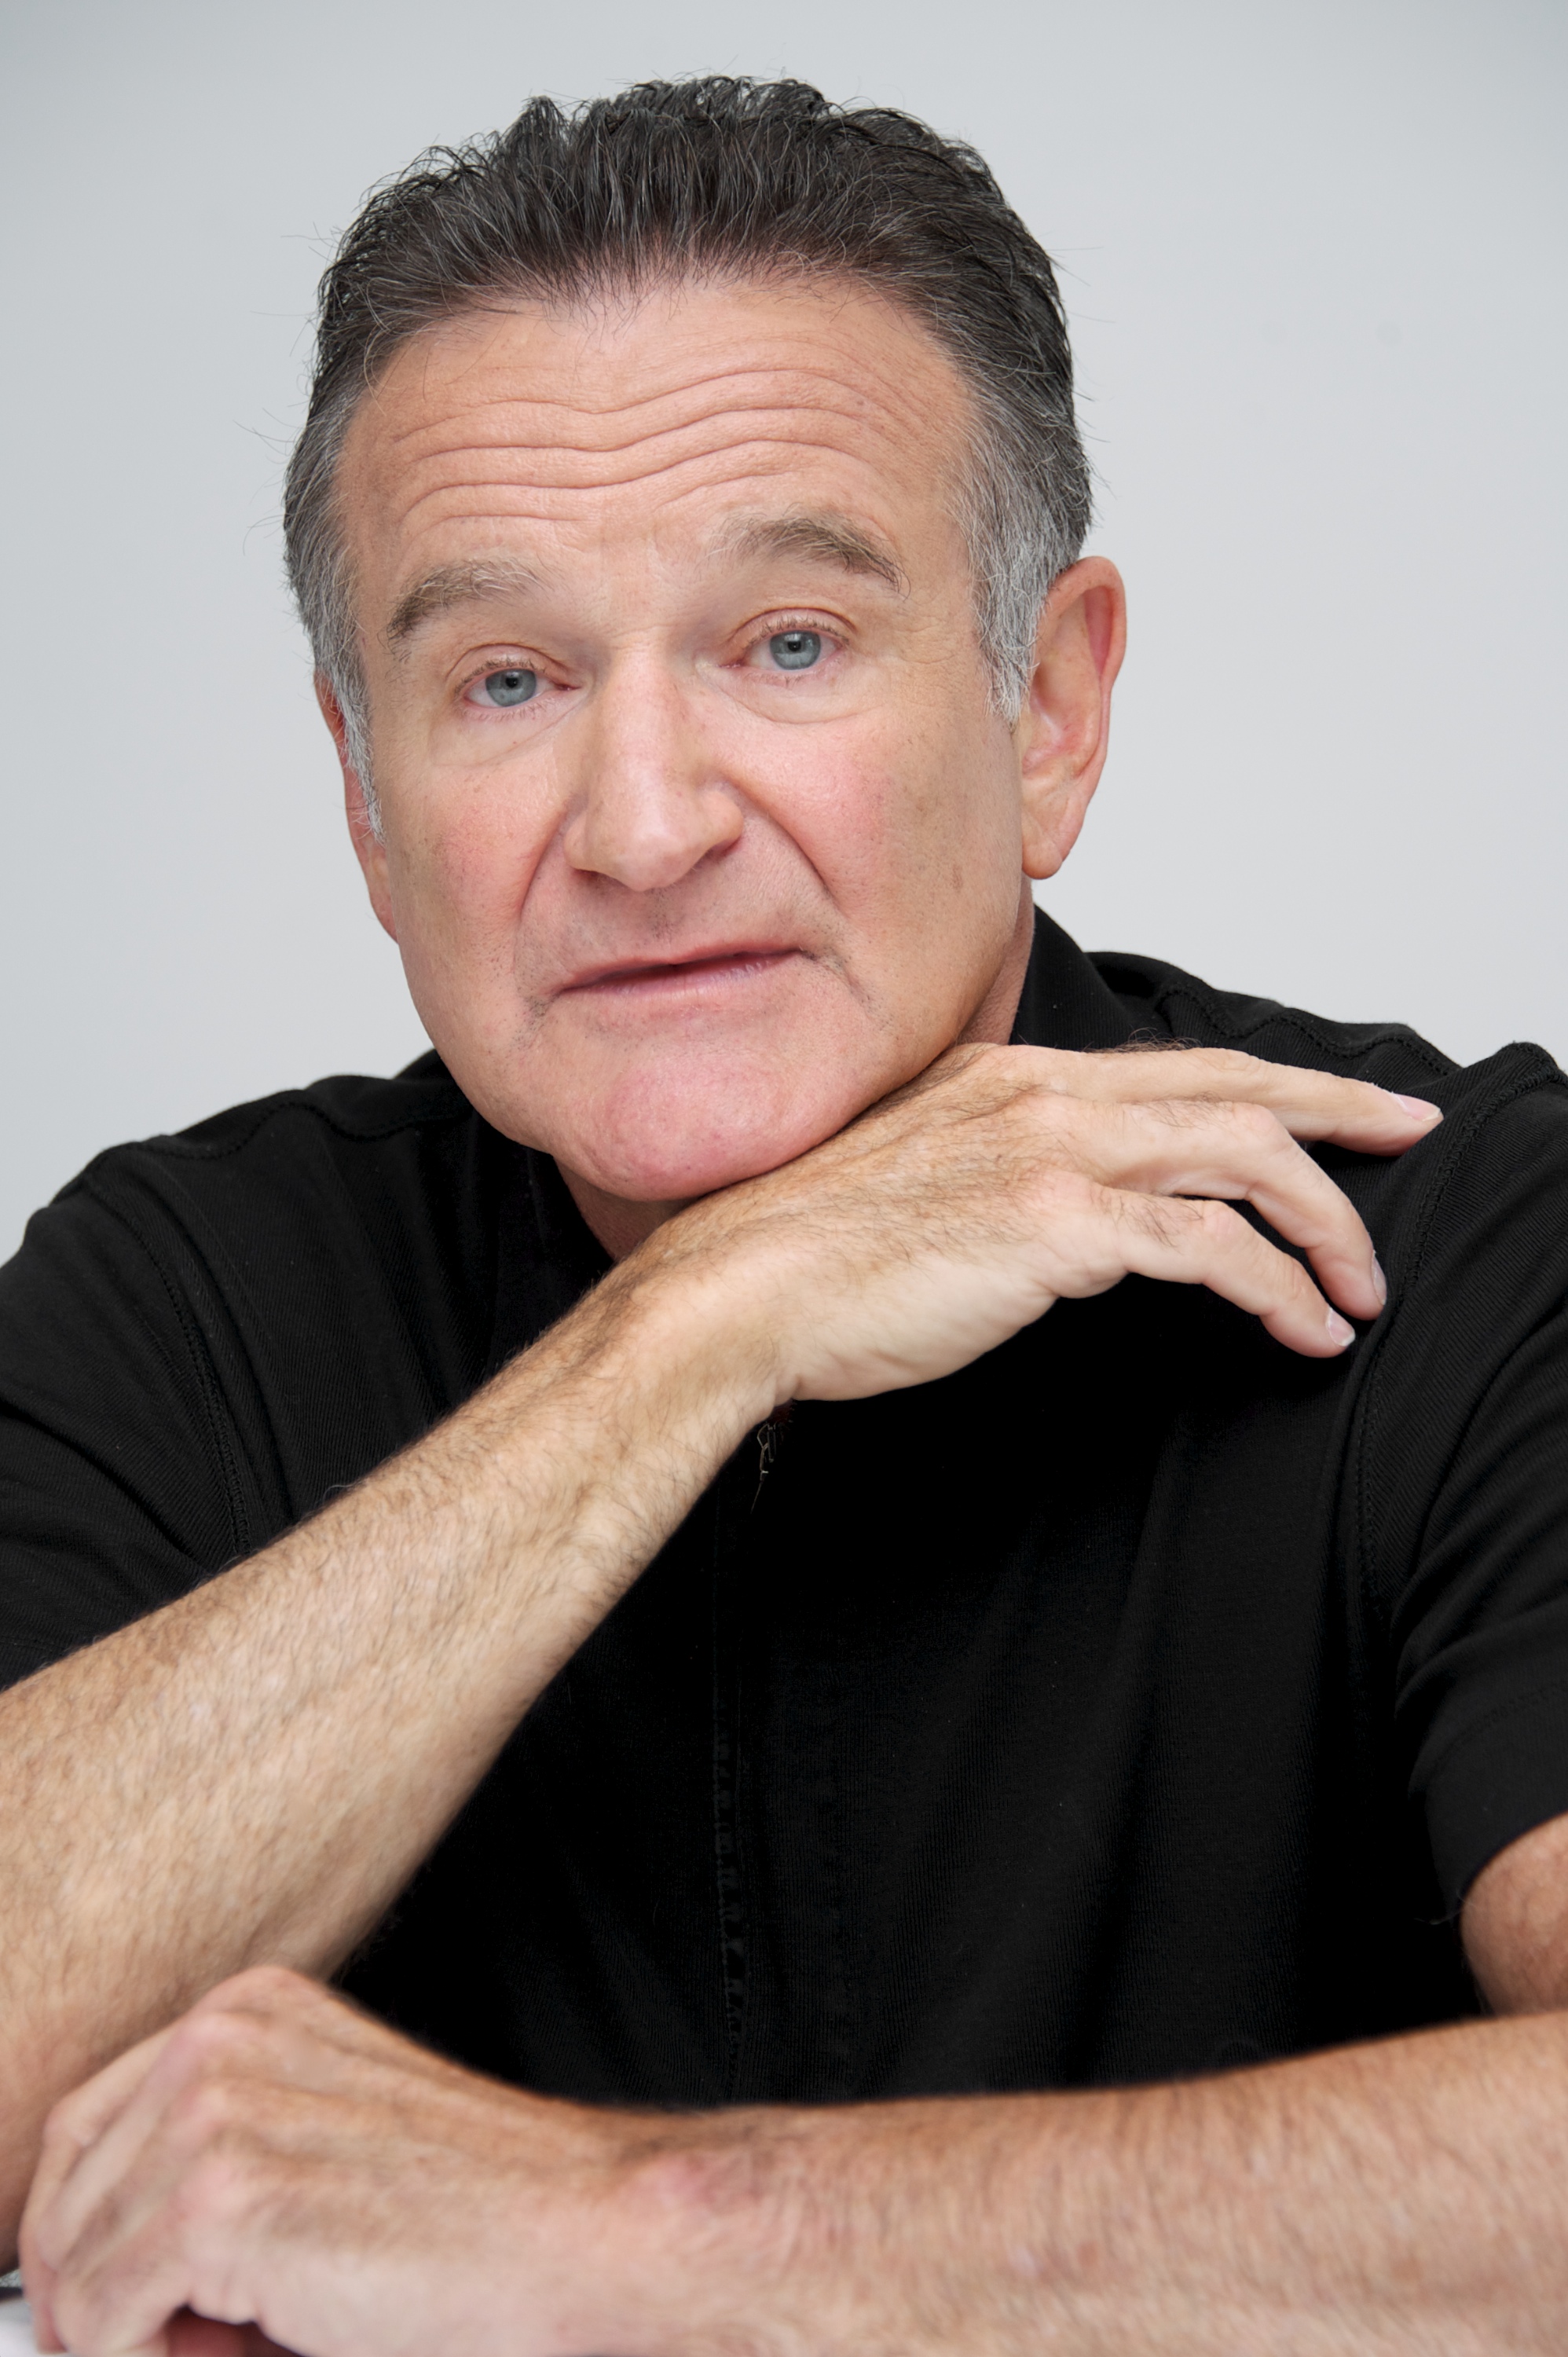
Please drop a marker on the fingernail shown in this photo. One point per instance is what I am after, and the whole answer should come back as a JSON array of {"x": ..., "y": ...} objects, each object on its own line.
[
  {"x": 1341, "y": 1333},
  {"x": 1417, "y": 1107},
  {"x": 1380, "y": 1282}
]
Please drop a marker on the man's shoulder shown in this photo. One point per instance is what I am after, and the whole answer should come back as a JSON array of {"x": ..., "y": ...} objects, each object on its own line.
[
  {"x": 1167, "y": 1003},
  {"x": 326, "y": 1132},
  {"x": 356, "y": 1108},
  {"x": 1506, "y": 1115},
  {"x": 1493, "y": 1180},
  {"x": 203, "y": 1335},
  {"x": 337, "y": 1189},
  {"x": 1118, "y": 998}
]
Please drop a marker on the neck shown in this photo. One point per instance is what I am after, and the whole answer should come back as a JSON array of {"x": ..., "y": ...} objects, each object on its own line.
[{"x": 621, "y": 1224}]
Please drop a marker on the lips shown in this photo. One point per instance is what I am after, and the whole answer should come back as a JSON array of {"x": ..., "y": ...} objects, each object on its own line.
[{"x": 729, "y": 962}]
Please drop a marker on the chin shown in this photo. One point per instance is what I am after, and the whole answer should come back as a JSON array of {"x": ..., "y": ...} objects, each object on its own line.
[
  {"x": 662, "y": 1146},
  {"x": 677, "y": 1170}
]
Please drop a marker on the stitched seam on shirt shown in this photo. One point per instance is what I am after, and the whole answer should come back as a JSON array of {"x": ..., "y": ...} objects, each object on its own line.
[
  {"x": 728, "y": 1887},
  {"x": 1473, "y": 1727},
  {"x": 1396, "y": 1035},
  {"x": 105, "y": 1467},
  {"x": 1371, "y": 1418},
  {"x": 183, "y": 1149},
  {"x": 1525, "y": 1085}
]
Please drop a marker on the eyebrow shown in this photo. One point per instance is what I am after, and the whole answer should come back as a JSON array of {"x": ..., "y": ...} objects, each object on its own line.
[
  {"x": 456, "y": 585},
  {"x": 829, "y": 539}
]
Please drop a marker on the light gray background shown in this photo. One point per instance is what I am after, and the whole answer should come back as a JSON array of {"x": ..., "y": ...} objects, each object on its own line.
[{"x": 1313, "y": 255}]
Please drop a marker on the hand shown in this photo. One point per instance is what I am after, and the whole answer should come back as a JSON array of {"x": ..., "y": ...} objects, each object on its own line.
[
  {"x": 277, "y": 2170},
  {"x": 1005, "y": 1178}
]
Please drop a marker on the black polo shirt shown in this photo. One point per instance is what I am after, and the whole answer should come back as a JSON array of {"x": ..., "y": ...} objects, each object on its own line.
[{"x": 1140, "y": 1700}]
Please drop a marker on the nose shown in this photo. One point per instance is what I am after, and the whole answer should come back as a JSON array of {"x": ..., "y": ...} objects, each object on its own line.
[{"x": 651, "y": 803}]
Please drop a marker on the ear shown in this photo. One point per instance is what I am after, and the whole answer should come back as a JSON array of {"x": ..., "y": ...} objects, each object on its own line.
[
  {"x": 368, "y": 848},
  {"x": 1063, "y": 730}
]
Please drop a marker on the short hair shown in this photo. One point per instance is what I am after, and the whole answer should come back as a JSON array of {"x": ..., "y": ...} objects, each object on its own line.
[{"x": 717, "y": 178}]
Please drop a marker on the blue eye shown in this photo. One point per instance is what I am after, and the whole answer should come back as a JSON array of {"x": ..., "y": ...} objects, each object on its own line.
[
  {"x": 795, "y": 650},
  {"x": 505, "y": 688}
]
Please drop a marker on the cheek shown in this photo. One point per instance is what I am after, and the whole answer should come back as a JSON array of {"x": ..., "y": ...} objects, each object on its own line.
[
  {"x": 841, "y": 810},
  {"x": 460, "y": 865},
  {"x": 915, "y": 821}
]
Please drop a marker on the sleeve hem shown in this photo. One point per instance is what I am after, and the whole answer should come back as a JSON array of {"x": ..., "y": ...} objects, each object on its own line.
[{"x": 1499, "y": 1780}]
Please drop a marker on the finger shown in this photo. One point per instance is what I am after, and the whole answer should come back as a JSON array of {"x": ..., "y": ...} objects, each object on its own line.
[
  {"x": 1314, "y": 1106},
  {"x": 74, "y": 2126},
  {"x": 202, "y": 2336},
  {"x": 92, "y": 2137},
  {"x": 1238, "y": 1153},
  {"x": 128, "y": 2274},
  {"x": 112, "y": 2271},
  {"x": 106, "y": 2126},
  {"x": 123, "y": 2266},
  {"x": 1186, "y": 1242}
]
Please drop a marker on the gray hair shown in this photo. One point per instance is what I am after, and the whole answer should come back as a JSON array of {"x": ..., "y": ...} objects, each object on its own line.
[{"x": 715, "y": 178}]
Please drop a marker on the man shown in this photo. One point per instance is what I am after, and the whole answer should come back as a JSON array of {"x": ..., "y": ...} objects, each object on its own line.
[{"x": 819, "y": 1561}]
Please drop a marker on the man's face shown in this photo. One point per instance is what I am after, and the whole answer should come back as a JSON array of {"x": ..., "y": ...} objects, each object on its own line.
[{"x": 700, "y": 831}]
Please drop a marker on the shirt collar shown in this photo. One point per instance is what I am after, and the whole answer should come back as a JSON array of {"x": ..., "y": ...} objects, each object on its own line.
[{"x": 1064, "y": 1002}]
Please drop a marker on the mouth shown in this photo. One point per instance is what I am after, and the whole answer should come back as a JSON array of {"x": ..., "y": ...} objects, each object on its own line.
[{"x": 704, "y": 971}]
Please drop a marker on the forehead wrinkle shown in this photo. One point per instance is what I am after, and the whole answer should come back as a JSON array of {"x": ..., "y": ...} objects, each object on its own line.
[
  {"x": 521, "y": 438},
  {"x": 783, "y": 453},
  {"x": 797, "y": 374}
]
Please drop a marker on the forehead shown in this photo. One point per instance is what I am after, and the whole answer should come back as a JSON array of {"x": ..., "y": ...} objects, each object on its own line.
[{"x": 653, "y": 422}]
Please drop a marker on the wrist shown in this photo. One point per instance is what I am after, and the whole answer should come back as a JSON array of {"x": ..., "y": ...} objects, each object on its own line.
[
  {"x": 692, "y": 2232},
  {"x": 690, "y": 1323},
  {"x": 588, "y": 1452}
]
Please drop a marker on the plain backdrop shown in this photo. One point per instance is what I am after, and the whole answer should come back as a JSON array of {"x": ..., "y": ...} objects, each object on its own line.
[{"x": 1313, "y": 255}]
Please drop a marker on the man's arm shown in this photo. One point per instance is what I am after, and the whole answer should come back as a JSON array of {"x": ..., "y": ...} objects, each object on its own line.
[
  {"x": 250, "y": 1775},
  {"x": 254, "y": 1771},
  {"x": 278, "y": 2159}
]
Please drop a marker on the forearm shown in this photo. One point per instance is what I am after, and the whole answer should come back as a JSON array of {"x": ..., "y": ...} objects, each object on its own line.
[
  {"x": 1411, "y": 2196},
  {"x": 252, "y": 1772}
]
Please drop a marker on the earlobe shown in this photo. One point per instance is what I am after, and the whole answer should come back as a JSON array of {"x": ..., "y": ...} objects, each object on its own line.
[
  {"x": 1051, "y": 827},
  {"x": 1063, "y": 731}
]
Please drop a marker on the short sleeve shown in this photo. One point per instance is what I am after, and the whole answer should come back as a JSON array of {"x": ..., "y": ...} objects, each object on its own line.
[
  {"x": 1461, "y": 1485},
  {"x": 114, "y": 1493}
]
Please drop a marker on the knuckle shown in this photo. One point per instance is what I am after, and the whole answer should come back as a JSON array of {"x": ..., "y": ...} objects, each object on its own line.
[
  {"x": 1050, "y": 1124},
  {"x": 206, "y": 2039},
  {"x": 1216, "y": 1224},
  {"x": 213, "y": 2192},
  {"x": 1162, "y": 1218},
  {"x": 206, "y": 2110},
  {"x": 1055, "y": 1194},
  {"x": 60, "y": 2128},
  {"x": 213, "y": 2046},
  {"x": 1208, "y": 1123},
  {"x": 1053, "y": 1071},
  {"x": 1229, "y": 1063},
  {"x": 263, "y": 1986},
  {"x": 1335, "y": 1221},
  {"x": 1256, "y": 1125},
  {"x": 237, "y": 2013},
  {"x": 1169, "y": 1113}
]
